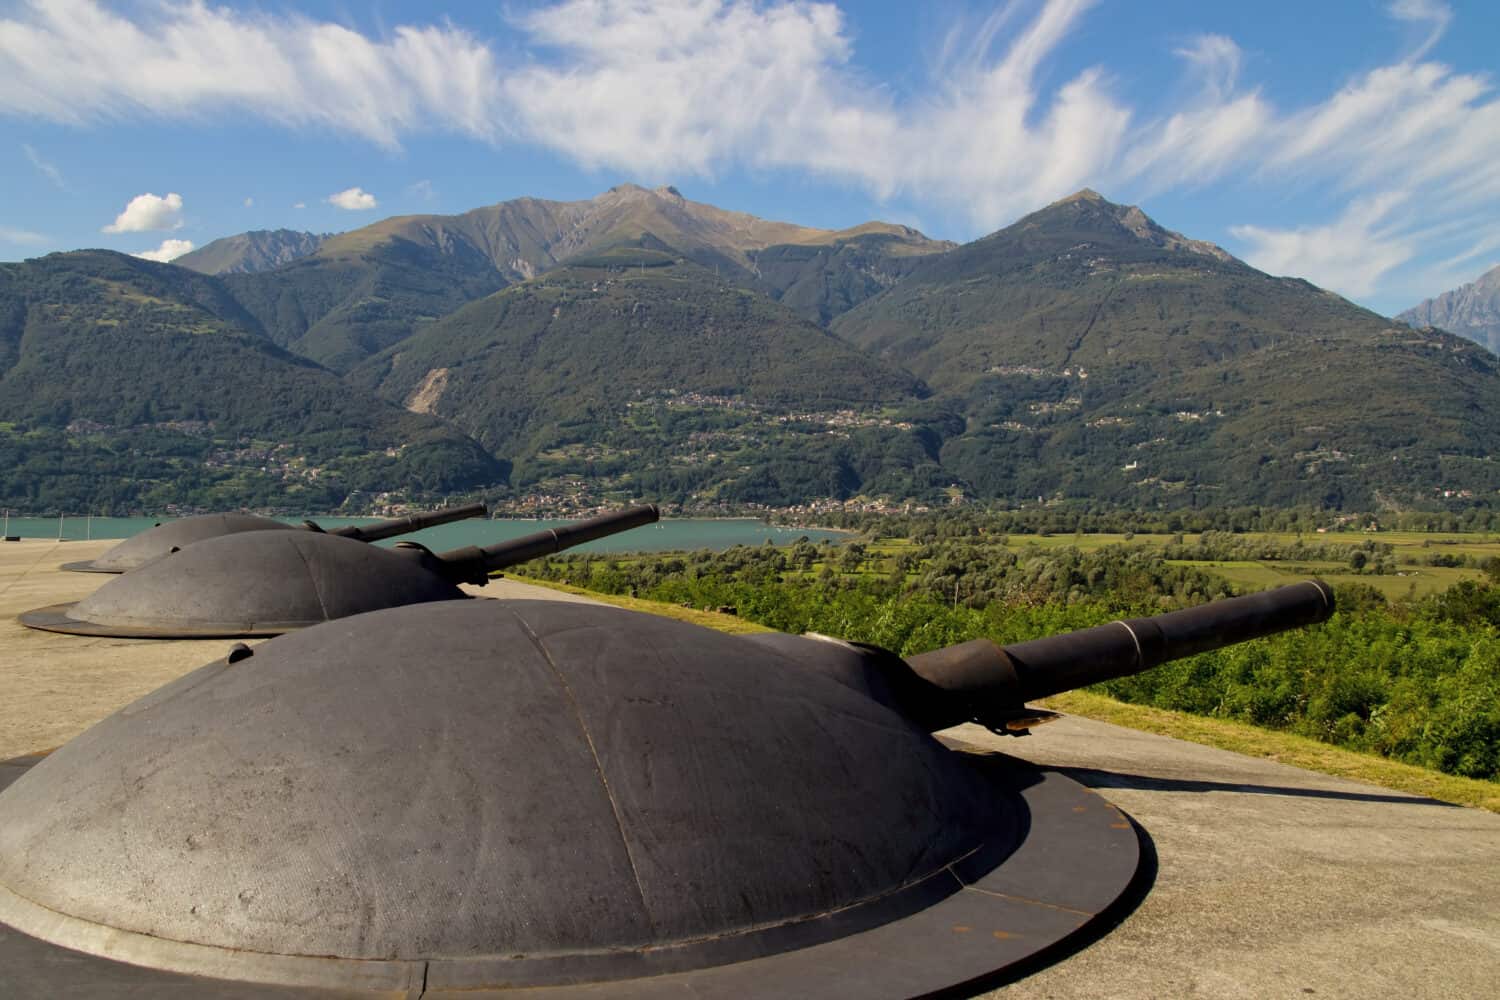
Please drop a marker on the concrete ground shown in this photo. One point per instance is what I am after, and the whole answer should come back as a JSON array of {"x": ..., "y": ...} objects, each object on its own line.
[
  {"x": 1273, "y": 881},
  {"x": 1270, "y": 881},
  {"x": 52, "y": 687}
]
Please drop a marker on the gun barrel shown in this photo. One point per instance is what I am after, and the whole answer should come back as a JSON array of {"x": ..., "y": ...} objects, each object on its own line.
[
  {"x": 474, "y": 565},
  {"x": 411, "y": 522},
  {"x": 965, "y": 681}
]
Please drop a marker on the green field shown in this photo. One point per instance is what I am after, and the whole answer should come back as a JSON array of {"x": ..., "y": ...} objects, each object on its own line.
[
  {"x": 1408, "y": 582},
  {"x": 1412, "y": 579}
]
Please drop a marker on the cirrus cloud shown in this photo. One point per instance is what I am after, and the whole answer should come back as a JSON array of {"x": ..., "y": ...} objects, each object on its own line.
[
  {"x": 147, "y": 212},
  {"x": 352, "y": 200},
  {"x": 25, "y": 237},
  {"x": 1352, "y": 254},
  {"x": 1434, "y": 14},
  {"x": 46, "y": 169},
  {"x": 78, "y": 61}
]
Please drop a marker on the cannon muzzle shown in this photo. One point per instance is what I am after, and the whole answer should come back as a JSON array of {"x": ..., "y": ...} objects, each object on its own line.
[
  {"x": 982, "y": 682},
  {"x": 405, "y": 525},
  {"x": 474, "y": 565}
]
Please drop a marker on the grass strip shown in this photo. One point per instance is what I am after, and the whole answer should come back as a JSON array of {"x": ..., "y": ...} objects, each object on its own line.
[
  {"x": 1286, "y": 748},
  {"x": 1239, "y": 737},
  {"x": 732, "y": 624}
]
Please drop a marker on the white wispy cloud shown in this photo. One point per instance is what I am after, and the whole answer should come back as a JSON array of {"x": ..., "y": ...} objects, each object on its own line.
[
  {"x": 1433, "y": 14},
  {"x": 644, "y": 89},
  {"x": 21, "y": 237},
  {"x": 662, "y": 90},
  {"x": 79, "y": 61},
  {"x": 1213, "y": 134},
  {"x": 169, "y": 250},
  {"x": 1216, "y": 59},
  {"x": 352, "y": 199},
  {"x": 147, "y": 212},
  {"x": 46, "y": 169},
  {"x": 422, "y": 189},
  {"x": 1351, "y": 254},
  {"x": 249, "y": 202}
]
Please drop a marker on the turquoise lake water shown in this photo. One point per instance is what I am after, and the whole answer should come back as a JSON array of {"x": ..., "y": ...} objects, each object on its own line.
[{"x": 673, "y": 533}]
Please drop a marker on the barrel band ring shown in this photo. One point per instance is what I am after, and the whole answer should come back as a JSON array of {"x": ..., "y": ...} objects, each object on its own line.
[{"x": 1140, "y": 655}]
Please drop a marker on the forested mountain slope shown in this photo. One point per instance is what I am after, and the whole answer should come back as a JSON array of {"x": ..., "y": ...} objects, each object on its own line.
[
  {"x": 1094, "y": 353},
  {"x": 122, "y": 380},
  {"x": 637, "y": 361}
]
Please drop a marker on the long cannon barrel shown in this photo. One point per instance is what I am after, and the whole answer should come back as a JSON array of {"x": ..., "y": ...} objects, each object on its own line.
[
  {"x": 474, "y": 565},
  {"x": 405, "y": 525},
  {"x": 987, "y": 683}
]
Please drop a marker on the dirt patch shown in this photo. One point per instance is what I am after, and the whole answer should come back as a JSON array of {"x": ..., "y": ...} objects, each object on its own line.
[{"x": 425, "y": 398}]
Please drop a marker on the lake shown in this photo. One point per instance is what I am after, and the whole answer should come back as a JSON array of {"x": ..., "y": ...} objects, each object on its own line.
[{"x": 673, "y": 533}]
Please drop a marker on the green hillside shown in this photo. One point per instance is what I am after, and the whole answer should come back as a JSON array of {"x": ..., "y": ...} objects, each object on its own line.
[
  {"x": 127, "y": 383},
  {"x": 640, "y": 367},
  {"x": 348, "y": 301},
  {"x": 822, "y": 281},
  {"x": 1095, "y": 354}
]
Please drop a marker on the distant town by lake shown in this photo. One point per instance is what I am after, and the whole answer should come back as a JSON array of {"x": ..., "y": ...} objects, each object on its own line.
[{"x": 664, "y": 536}]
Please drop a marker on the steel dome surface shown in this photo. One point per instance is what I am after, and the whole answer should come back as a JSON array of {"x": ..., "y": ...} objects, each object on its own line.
[
  {"x": 492, "y": 795},
  {"x": 165, "y": 539},
  {"x": 250, "y": 584},
  {"x": 155, "y": 542}
]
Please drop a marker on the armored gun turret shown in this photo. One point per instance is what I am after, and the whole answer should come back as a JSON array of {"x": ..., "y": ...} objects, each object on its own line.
[
  {"x": 262, "y": 583},
  {"x": 164, "y": 539},
  {"x": 481, "y": 798}
]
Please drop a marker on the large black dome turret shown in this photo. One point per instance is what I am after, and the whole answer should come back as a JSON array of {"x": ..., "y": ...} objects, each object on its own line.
[
  {"x": 475, "y": 797},
  {"x": 519, "y": 784}
]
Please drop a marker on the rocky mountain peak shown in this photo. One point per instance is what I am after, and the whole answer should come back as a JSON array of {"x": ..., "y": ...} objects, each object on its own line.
[
  {"x": 1471, "y": 310},
  {"x": 1086, "y": 194}
]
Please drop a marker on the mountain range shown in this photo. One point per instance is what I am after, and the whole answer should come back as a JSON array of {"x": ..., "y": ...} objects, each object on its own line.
[
  {"x": 352, "y": 295},
  {"x": 258, "y": 250},
  {"x": 639, "y": 344}
]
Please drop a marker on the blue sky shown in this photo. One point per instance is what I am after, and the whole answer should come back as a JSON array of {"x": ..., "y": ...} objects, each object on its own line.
[{"x": 1355, "y": 143}]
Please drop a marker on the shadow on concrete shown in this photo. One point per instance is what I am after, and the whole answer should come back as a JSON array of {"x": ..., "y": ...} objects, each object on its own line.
[
  {"x": 1101, "y": 924},
  {"x": 1095, "y": 778}
]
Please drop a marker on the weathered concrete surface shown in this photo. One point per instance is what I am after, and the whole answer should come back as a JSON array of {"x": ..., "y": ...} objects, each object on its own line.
[
  {"x": 1272, "y": 881},
  {"x": 1275, "y": 881},
  {"x": 52, "y": 687}
]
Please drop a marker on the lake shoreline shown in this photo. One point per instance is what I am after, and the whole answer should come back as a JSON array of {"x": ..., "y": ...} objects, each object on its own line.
[{"x": 667, "y": 535}]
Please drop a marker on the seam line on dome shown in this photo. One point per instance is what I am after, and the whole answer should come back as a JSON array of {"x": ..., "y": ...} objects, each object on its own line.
[
  {"x": 312, "y": 578},
  {"x": 588, "y": 738}
]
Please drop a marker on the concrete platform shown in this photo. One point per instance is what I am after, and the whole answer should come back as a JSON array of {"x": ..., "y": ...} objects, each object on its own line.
[
  {"x": 1271, "y": 881},
  {"x": 52, "y": 687}
]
